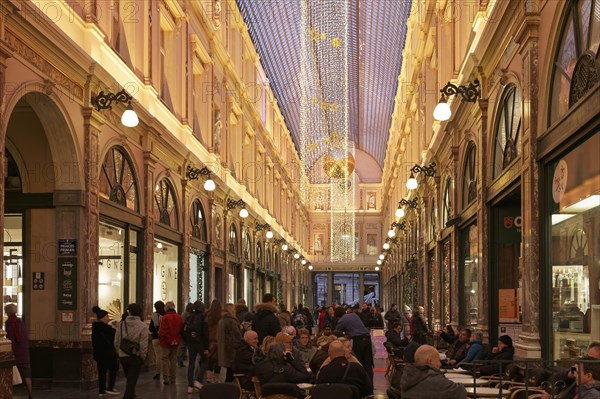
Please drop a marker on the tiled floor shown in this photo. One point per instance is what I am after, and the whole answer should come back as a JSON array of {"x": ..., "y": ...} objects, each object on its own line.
[{"x": 149, "y": 388}]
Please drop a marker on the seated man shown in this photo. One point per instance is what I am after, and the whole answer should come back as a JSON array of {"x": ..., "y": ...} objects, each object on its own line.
[
  {"x": 474, "y": 352},
  {"x": 569, "y": 377},
  {"x": 323, "y": 336},
  {"x": 343, "y": 371},
  {"x": 244, "y": 355},
  {"x": 448, "y": 334},
  {"x": 425, "y": 380},
  {"x": 458, "y": 349},
  {"x": 395, "y": 340},
  {"x": 588, "y": 379},
  {"x": 504, "y": 351}
]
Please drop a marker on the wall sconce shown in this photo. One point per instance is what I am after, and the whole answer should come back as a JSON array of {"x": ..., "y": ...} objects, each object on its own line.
[
  {"x": 468, "y": 93},
  {"x": 104, "y": 101},
  {"x": 263, "y": 226},
  {"x": 386, "y": 246},
  {"x": 296, "y": 256},
  {"x": 376, "y": 268},
  {"x": 391, "y": 233},
  {"x": 279, "y": 241},
  {"x": 429, "y": 171},
  {"x": 231, "y": 204},
  {"x": 193, "y": 174},
  {"x": 310, "y": 267},
  {"x": 399, "y": 211},
  {"x": 412, "y": 203},
  {"x": 381, "y": 257},
  {"x": 379, "y": 261},
  {"x": 303, "y": 262}
]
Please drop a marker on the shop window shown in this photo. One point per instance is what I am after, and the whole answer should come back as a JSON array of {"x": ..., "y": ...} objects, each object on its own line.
[
  {"x": 166, "y": 269},
  {"x": 117, "y": 180},
  {"x": 259, "y": 253},
  {"x": 198, "y": 276},
  {"x": 469, "y": 311},
  {"x": 507, "y": 143},
  {"x": 165, "y": 208},
  {"x": 12, "y": 289},
  {"x": 469, "y": 185},
  {"x": 573, "y": 195},
  {"x": 198, "y": 221},
  {"x": 447, "y": 205},
  {"x": 576, "y": 62},
  {"x": 117, "y": 267}
]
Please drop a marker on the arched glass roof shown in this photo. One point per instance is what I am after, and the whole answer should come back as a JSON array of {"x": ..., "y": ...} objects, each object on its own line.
[{"x": 377, "y": 32}]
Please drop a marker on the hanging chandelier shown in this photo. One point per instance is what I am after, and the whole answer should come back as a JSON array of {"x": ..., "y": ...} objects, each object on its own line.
[{"x": 327, "y": 156}]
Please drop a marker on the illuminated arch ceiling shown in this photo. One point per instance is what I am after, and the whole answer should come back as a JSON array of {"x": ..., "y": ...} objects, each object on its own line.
[{"x": 377, "y": 31}]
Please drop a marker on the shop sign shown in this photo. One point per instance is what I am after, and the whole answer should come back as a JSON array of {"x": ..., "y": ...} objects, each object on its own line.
[
  {"x": 559, "y": 181},
  {"x": 67, "y": 247},
  {"x": 510, "y": 222},
  {"x": 67, "y": 283}
]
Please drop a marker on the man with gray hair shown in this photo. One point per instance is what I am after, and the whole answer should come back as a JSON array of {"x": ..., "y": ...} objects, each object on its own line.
[
  {"x": 342, "y": 371},
  {"x": 424, "y": 380},
  {"x": 244, "y": 358}
]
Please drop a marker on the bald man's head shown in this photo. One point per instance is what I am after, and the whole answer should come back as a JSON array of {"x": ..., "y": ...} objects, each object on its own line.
[
  {"x": 427, "y": 355},
  {"x": 336, "y": 349}
]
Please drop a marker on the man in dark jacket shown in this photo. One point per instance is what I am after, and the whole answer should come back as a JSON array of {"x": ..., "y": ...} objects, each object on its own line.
[
  {"x": 195, "y": 335},
  {"x": 418, "y": 326},
  {"x": 103, "y": 338},
  {"x": 351, "y": 324},
  {"x": 265, "y": 322},
  {"x": 504, "y": 351},
  {"x": 458, "y": 349},
  {"x": 395, "y": 340},
  {"x": 342, "y": 371},
  {"x": 392, "y": 316},
  {"x": 423, "y": 380}
]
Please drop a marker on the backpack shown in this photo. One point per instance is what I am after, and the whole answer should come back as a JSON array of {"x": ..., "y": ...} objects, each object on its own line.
[
  {"x": 299, "y": 321},
  {"x": 191, "y": 329}
]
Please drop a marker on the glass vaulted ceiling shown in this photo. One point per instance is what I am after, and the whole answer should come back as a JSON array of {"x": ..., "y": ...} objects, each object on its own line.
[{"x": 377, "y": 33}]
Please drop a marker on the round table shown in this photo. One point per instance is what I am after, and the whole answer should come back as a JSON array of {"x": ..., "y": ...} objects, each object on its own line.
[
  {"x": 458, "y": 371},
  {"x": 305, "y": 387},
  {"x": 467, "y": 381},
  {"x": 487, "y": 392}
]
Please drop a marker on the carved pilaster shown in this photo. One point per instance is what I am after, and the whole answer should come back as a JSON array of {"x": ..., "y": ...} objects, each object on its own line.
[
  {"x": 529, "y": 264},
  {"x": 482, "y": 220},
  {"x": 148, "y": 198},
  {"x": 92, "y": 124},
  {"x": 184, "y": 274}
]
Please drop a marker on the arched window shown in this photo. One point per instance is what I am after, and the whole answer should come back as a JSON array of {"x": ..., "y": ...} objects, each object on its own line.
[
  {"x": 508, "y": 130},
  {"x": 576, "y": 65},
  {"x": 247, "y": 243},
  {"x": 432, "y": 219},
  {"x": 198, "y": 221},
  {"x": 469, "y": 184},
  {"x": 447, "y": 205},
  {"x": 165, "y": 209},
  {"x": 269, "y": 265},
  {"x": 259, "y": 253},
  {"x": 117, "y": 181},
  {"x": 233, "y": 244}
]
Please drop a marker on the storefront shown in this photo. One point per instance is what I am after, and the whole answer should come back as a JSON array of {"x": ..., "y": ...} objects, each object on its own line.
[{"x": 198, "y": 285}]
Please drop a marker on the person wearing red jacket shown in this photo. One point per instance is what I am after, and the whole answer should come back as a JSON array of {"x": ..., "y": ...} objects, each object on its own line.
[{"x": 169, "y": 336}]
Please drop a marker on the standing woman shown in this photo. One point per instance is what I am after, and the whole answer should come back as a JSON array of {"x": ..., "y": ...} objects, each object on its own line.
[
  {"x": 105, "y": 355},
  {"x": 133, "y": 329},
  {"x": 212, "y": 317},
  {"x": 228, "y": 339},
  {"x": 17, "y": 333}
]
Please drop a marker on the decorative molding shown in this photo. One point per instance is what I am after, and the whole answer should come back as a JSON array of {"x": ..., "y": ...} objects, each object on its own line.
[{"x": 33, "y": 57}]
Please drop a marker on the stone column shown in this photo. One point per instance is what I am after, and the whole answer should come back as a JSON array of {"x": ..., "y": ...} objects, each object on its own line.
[
  {"x": 148, "y": 198},
  {"x": 212, "y": 239},
  {"x": 482, "y": 219},
  {"x": 454, "y": 241},
  {"x": 184, "y": 272},
  {"x": 529, "y": 262}
]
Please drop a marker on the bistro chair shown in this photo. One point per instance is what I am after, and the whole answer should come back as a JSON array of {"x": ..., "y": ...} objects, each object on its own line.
[
  {"x": 280, "y": 390},
  {"x": 246, "y": 393},
  {"x": 328, "y": 391}
]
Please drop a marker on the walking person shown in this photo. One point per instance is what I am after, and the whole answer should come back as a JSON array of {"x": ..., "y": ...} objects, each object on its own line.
[
  {"x": 132, "y": 328},
  {"x": 159, "y": 311},
  {"x": 195, "y": 336},
  {"x": 17, "y": 333},
  {"x": 169, "y": 337},
  {"x": 211, "y": 366},
  {"x": 181, "y": 355},
  {"x": 105, "y": 355}
]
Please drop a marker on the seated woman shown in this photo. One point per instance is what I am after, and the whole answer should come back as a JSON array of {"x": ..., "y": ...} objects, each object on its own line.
[
  {"x": 279, "y": 367},
  {"x": 305, "y": 346}
]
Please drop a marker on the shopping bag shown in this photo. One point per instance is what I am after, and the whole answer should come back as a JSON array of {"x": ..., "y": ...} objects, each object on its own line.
[{"x": 16, "y": 376}]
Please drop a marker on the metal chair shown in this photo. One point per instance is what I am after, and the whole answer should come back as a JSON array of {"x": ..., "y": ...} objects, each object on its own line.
[
  {"x": 220, "y": 391},
  {"x": 246, "y": 393}
]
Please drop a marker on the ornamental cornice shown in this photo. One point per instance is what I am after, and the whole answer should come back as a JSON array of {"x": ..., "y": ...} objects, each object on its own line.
[{"x": 34, "y": 58}]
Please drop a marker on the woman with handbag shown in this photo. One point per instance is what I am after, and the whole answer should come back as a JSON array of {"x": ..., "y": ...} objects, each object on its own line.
[
  {"x": 131, "y": 342},
  {"x": 103, "y": 337}
]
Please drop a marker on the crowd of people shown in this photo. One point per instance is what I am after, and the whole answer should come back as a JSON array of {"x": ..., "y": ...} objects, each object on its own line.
[{"x": 330, "y": 345}]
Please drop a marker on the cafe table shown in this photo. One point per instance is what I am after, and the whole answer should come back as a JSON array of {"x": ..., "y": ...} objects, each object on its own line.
[
  {"x": 467, "y": 381},
  {"x": 487, "y": 392}
]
